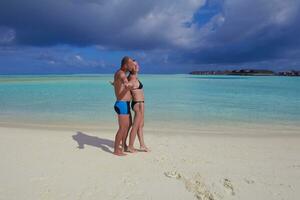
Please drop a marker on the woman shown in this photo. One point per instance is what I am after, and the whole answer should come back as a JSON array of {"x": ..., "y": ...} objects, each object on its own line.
[{"x": 137, "y": 105}]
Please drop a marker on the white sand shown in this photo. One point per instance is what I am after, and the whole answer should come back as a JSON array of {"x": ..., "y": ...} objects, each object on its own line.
[{"x": 44, "y": 164}]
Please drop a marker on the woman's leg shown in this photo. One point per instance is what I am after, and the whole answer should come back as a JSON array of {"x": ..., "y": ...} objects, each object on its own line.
[
  {"x": 135, "y": 126},
  {"x": 140, "y": 131}
]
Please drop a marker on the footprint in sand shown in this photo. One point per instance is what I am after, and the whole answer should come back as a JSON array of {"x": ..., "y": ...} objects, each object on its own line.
[
  {"x": 249, "y": 181},
  {"x": 228, "y": 185},
  {"x": 201, "y": 190},
  {"x": 195, "y": 185},
  {"x": 160, "y": 159},
  {"x": 173, "y": 174}
]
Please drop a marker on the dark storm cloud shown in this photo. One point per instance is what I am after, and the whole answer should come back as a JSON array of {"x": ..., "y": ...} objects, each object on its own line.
[{"x": 128, "y": 24}]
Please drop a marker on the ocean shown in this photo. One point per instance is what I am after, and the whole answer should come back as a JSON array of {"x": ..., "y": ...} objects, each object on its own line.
[{"x": 170, "y": 100}]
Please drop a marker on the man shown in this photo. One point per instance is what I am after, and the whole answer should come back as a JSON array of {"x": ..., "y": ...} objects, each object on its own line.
[{"x": 122, "y": 91}]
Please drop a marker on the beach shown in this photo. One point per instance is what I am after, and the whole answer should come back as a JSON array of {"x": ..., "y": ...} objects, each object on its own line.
[
  {"x": 211, "y": 137},
  {"x": 78, "y": 164},
  {"x": 211, "y": 88}
]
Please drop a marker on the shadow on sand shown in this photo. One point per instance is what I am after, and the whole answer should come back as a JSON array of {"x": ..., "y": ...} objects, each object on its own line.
[{"x": 84, "y": 139}]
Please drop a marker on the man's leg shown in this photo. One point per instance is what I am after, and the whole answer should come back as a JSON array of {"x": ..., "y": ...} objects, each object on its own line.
[
  {"x": 123, "y": 129},
  {"x": 124, "y": 145}
]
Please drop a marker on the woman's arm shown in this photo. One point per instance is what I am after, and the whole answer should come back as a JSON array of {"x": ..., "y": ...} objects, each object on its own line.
[
  {"x": 128, "y": 85},
  {"x": 132, "y": 80}
]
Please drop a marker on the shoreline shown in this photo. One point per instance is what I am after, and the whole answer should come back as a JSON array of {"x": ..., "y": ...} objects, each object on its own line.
[{"x": 243, "y": 129}]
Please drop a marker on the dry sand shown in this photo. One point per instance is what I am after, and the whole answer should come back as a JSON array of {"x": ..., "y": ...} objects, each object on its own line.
[{"x": 64, "y": 164}]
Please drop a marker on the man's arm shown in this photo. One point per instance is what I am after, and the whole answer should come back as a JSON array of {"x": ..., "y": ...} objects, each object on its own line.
[{"x": 128, "y": 85}]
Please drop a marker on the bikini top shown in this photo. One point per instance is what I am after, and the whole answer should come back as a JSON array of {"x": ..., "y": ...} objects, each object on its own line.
[{"x": 140, "y": 86}]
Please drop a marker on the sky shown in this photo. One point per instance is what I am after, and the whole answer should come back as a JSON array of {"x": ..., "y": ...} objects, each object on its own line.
[{"x": 164, "y": 36}]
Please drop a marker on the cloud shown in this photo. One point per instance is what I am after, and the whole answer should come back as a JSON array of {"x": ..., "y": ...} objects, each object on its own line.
[
  {"x": 247, "y": 31},
  {"x": 7, "y": 35},
  {"x": 56, "y": 59},
  {"x": 78, "y": 57},
  {"x": 130, "y": 24},
  {"x": 181, "y": 33},
  {"x": 71, "y": 60}
]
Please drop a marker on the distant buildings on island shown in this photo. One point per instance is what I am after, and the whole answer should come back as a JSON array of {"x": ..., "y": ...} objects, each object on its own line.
[{"x": 248, "y": 72}]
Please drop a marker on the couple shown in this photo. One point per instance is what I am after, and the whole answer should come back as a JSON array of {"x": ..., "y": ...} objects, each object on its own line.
[{"x": 129, "y": 88}]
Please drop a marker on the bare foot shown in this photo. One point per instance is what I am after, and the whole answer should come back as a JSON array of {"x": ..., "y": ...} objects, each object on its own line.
[
  {"x": 131, "y": 149},
  {"x": 125, "y": 148},
  {"x": 120, "y": 153},
  {"x": 144, "y": 149}
]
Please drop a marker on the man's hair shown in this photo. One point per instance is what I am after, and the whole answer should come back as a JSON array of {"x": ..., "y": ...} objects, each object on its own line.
[{"x": 125, "y": 60}]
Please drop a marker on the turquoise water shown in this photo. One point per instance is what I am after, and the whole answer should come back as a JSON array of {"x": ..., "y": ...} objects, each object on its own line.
[{"x": 89, "y": 99}]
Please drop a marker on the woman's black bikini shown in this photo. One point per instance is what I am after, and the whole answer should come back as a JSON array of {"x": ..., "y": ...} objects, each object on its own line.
[{"x": 138, "y": 88}]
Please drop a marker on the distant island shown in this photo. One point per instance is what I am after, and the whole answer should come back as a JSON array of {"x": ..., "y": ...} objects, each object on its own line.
[{"x": 247, "y": 72}]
